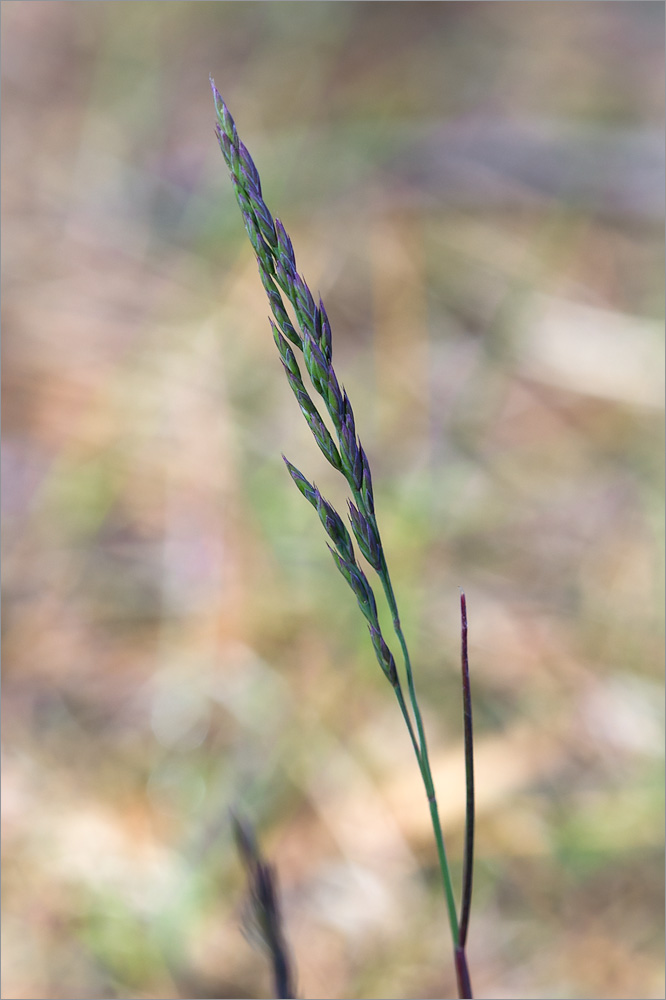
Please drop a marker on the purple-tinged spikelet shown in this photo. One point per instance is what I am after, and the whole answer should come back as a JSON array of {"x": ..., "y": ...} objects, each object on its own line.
[
  {"x": 285, "y": 248},
  {"x": 285, "y": 279},
  {"x": 248, "y": 166},
  {"x": 364, "y": 595},
  {"x": 350, "y": 452},
  {"x": 278, "y": 309},
  {"x": 286, "y": 353},
  {"x": 384, "y": 654},
  {"x": 324, "y": 440},
  {"x": 358, "y": 582},
  {"x": 309, "y": 491},
  {"x": 334, "y": 403},
  {"x": 259, "y": 245},
  {"x": 324, "y": 332},
  {"x": 335, "y": 529},
  {"x": 315, "y": 362},
  {"x": 227, "y": 124},
  {"x": 320, "y": 431},
  {"x": 262, "y": 215},
  {"x": 366, "y": 536},
  {"x": 304, "y": 303},
  {"x": 366, "y": 485},
  {"x": 225, "y": 146}
]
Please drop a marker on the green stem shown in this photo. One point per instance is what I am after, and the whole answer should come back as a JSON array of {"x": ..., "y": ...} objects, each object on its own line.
[
  {"x": 420, "y": 745},
  {"x": 408, "y": 719},
  {"x": 424, "y": 760},
  {"x": 422, "y": 756}
]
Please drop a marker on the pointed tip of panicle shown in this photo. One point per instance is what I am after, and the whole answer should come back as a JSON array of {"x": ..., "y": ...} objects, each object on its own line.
[
  {"x": 309, "y": 490},
  {"x": 216, "y": 93},
  {"x": 224, "y": 115}
]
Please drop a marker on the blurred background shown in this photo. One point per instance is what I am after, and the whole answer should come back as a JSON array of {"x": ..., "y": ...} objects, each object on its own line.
[{"x": 476, "y": 189}]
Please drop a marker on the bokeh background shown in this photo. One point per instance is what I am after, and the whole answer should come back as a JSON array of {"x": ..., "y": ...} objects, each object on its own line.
[{"x": 476, "y": 189}]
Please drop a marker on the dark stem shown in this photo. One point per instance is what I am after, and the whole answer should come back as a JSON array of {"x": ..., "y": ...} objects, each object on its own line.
[
  {"x": 462, "y": 974},
  {"x": 284, "y": 988},
  {"x": 464, "y": 985}
]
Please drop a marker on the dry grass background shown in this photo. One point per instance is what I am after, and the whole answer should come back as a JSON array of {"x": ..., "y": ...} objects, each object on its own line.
[{"x": 477, "y": 191}]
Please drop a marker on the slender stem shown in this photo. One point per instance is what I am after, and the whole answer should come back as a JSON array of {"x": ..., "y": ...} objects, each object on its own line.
[
  {"x": 422, "y": 756},
  {"x": 441, "y": 850},
  {"x": 284, "y": 989},
  {"x": 408, "y": 719},
  {"x": 462, "y": 974},
  {"x": 468, "y": 858}
]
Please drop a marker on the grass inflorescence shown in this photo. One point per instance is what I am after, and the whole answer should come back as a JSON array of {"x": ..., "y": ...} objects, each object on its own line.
[{"x": 312, "y": 340}]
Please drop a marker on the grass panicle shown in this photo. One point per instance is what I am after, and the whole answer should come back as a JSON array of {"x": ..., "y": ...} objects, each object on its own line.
[{"x": 311, "y": 335}]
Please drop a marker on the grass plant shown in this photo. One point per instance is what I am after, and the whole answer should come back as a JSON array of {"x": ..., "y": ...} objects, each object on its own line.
[
  {"x": 264, "y": 920},
  {"x": 309, "y": 332}
]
